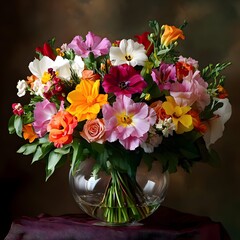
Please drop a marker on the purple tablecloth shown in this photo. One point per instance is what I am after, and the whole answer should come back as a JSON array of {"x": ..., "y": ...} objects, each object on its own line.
[{"x": 165, "y": 223}]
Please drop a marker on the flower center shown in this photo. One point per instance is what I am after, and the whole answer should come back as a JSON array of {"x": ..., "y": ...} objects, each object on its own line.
[
  {"x": 128, "y": 57},
  {"x": 177, "y": 112},
  {"x": 123, "y": 85},
  {"x": 126, "y": 119}
]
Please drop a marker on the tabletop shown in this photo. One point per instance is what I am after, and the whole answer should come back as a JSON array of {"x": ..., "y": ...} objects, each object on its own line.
[{"x": 165, "y": 223}]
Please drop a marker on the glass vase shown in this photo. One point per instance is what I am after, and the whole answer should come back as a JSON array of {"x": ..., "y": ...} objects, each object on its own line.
[{"x": 116, "y": 198}]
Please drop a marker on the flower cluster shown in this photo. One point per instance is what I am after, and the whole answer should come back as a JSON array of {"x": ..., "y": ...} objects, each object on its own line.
[{"x": 93, "y": 97}]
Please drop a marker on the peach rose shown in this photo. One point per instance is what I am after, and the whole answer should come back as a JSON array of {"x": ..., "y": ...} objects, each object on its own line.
[
  {"x": 90, "y": 75},
  {"x": 170, "y": 35},
  {"x": 94, "y": 130}
]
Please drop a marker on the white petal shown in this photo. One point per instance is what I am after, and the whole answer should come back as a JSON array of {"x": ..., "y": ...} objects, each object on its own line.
[{"x": 216, "y": 125}]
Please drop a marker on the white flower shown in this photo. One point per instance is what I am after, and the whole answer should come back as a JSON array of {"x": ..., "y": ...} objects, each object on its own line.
[
  {"x": 154, "y": 140},
  {"x": 61, "y": 65},
  {"x": 216, "y": 125},
  {"x": 128, "y": 52},
  {"x": 166, "y": 126},
  {"x": 21, "y": 86},
  {"x": 38, "y": 88},
  {"x": 78, "y": 65},
  {"x": 39, "y": 67}
]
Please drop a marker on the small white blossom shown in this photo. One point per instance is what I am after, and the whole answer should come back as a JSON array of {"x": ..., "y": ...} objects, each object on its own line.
[
  {"x": 166, "y": 126},
  {"x": 21, "y": 86},
  {"x": 154, "y": 140},
  {"x": 38, "y": 88}
]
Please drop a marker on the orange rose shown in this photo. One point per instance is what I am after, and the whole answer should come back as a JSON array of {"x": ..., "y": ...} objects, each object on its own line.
[
  {"x": 171, "y": 34},
  {"x": 93, "y": 131},
  {"x": 90, "y": 75},
  {"x": 61, "y": 127}
]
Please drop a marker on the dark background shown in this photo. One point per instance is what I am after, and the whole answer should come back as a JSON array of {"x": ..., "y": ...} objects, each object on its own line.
[{"x": 212, "y": 36}]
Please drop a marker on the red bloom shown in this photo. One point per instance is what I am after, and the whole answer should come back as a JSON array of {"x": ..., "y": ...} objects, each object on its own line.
[
  {"x": 183, "y": 70},
  {"x": 46, "y": 50},
  {"x": 17, "y": 109},
  {"x": 144, "y": 40}
]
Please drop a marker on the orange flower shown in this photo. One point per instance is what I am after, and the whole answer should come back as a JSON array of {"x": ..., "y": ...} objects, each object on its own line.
[
  {"x": 85, "y": 100},
  {"x": 161, "y": 113},
  {"x": 222, "y": 93},
  {"x": 28, "y": 133},
  {"x": 90, "y": 75},
  {"x": 197, "y": 123},
  {"x": 61, "y": 127},
  {"x": 30, "y": 80},
  {"x": 171, "y": 34}
]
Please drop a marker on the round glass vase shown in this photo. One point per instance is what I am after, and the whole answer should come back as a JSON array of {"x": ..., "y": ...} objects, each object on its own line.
[{"x": 116, "y": 198}]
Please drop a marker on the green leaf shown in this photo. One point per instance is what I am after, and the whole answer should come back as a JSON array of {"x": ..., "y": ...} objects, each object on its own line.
[
  {"x": 53, "y": 160},
  {"x": 11, "y": 127},
  {"x": 38, "y": 154},
  {"x": 42, "y": 151},
  {"x": 28, "y": 148},
  {"x": 18, "y": 125}
]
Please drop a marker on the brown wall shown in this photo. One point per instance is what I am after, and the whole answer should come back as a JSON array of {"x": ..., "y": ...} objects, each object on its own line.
[{"x": 212, "y": 36}]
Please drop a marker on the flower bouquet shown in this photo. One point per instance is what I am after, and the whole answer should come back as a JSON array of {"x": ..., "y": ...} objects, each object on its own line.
[{"x": 122, "y": 103}]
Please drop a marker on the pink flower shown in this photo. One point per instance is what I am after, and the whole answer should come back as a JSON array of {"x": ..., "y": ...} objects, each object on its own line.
[
  {"x": 164, "y": 76},
  {"x": 128, "y": 122},
  {"x": 123, "y": 79},
  {"x": 43, "y": 113},
  {"x": 192, "y": 90},
  {"x": 93, "y": 43},
  {"x": 93, "y": 131}
]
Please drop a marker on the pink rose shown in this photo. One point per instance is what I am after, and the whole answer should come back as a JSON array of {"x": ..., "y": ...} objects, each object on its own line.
[{"x": 94, "y": 130}]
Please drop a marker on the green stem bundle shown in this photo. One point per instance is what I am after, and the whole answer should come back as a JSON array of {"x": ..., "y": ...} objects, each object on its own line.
[{"x": 123, "y": 201}]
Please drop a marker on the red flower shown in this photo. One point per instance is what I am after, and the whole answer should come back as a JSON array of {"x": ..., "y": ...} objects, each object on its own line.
[
  {"x": 46, "y": 50},
  {"x": 144, "y": 40}
]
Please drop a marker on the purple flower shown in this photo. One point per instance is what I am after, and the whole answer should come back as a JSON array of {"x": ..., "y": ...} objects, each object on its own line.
[
  {"x": 123, "y": 79},
  {"x": 164, "y": 76},
  {"x": 43, "y": 113},
  {"x": 93, "y": 43}
]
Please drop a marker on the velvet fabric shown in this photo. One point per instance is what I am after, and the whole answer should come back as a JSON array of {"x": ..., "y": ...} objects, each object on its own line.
[{"x": 165, "y": 223}]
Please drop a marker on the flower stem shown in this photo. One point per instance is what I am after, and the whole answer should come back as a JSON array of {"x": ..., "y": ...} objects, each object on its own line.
[{"x": 123, "y": 200}]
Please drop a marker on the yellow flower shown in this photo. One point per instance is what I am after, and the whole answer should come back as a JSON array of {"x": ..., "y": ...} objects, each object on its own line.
[
  {"x": 171, "y": 34},
  {"x": 85, "y": 100},
  {"x": 181, "y": 119}
]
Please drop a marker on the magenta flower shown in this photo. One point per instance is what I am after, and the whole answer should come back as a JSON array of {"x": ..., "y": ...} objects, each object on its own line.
[
  {"x": 123, "y": 79},
  {"x": 43, "y": 113},
  {"x": 93, "y": 43},
  {"x": 164, "y": 76},
  {"x": 128, "y": 122}
]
